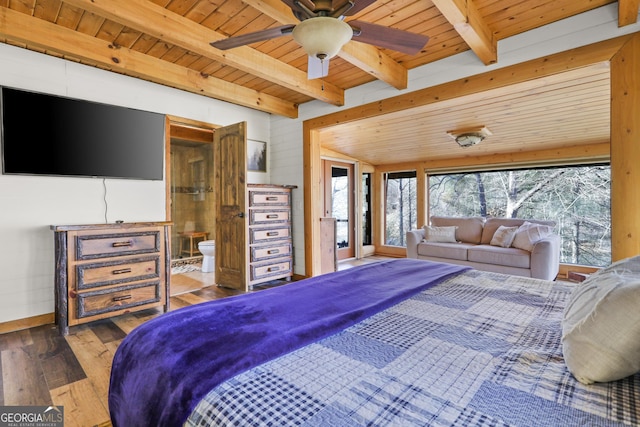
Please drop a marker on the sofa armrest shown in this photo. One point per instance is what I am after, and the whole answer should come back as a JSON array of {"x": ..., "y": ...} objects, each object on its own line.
[
  {"x": 413, "y": 238},
  {"x": 545, "y": 258}
]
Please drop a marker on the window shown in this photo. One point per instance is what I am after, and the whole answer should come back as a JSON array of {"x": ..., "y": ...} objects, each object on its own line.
[
  {"x": 400, "y": 206},
  {"x": 366, "y": 209},
  {"x": 577, "y": 198}
]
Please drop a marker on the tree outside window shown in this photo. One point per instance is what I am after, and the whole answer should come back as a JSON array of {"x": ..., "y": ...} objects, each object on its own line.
[{"x": 400, "y": 206}]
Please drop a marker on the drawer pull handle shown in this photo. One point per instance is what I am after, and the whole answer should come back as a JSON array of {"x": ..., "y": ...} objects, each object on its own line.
[
  {"x": 271, "y": 198},
  {"x": 276, "y": 268},
  {"x": 121, "y": 271},
  {"x": 272, "y": 233},
  {"x": 122, "y": 244},
  {"x": 273, "y": 251},
  {"x": 121, "y": 298},
  {"x": 270, "y": 216}
]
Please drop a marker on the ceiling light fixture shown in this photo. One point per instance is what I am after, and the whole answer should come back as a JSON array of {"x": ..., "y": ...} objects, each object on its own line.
[
  {"x": 469, "y": 136},
  {"x": 322, "y": 37}
]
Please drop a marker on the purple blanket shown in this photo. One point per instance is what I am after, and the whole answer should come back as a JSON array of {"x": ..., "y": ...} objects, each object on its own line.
[{"x": 166, "y": 366}]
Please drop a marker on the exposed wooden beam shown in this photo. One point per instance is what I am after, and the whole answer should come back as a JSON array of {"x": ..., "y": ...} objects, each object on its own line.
[
  {"x": 366, "y": 57},
  {"x": 149, "y": 18},
  {"x": 41, "y": 35},
  {"x": 376, "y": 63},
  {"x": 628, "y": 12},
  {"x": 277, "y": 10},
  {"x": 467, "y": 21}
]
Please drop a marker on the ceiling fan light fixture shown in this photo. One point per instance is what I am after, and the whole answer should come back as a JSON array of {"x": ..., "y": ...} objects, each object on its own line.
[
  {"x": 322, "y": 37},
  {"x": 470, "y": 136}
]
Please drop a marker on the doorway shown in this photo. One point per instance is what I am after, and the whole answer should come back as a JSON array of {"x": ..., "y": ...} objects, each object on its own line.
[
  {"x": 192, "y": 202},
  {"x": 339, "y": 204}
]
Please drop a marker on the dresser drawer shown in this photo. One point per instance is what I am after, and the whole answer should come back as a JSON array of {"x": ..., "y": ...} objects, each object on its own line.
[
  {"x": 114, "y": 272},
  {"x": 257, "y": 235},
  {"x": 92, "y": 303},
  {"x": 261, "y": 253},
  {"x": 268, "y": 217},
  {"x": 108, "y": 245},
  {"x": 268, "y": 198},
  {"x": 274, "y": 270}
]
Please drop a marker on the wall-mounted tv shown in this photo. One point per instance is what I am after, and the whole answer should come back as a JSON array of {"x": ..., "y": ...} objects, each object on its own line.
[{"x": 52, "y": 135}]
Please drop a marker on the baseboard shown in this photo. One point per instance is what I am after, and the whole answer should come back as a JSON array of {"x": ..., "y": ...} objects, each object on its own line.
[{"x": 29, "y": 322}]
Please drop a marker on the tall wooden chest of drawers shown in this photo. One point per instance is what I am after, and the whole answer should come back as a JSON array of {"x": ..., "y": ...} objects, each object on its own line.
[
  {"x": 110, "y": 269},
  {"x": 269, "y": 234}
]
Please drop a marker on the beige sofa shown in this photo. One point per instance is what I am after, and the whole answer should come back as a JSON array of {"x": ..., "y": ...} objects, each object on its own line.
[{"x": 472, "y": 247}]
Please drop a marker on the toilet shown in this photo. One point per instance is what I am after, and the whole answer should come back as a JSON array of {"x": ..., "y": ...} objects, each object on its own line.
[{"x": 208, "y": 250}]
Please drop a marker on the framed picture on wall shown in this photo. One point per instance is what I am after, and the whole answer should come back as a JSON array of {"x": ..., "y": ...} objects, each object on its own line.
[{"x": 256, "y": 156}]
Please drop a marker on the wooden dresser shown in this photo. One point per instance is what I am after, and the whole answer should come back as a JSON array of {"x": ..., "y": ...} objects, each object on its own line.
[
  {"x": 105, "y": 270},
  {"x": 270, "y": 238}
]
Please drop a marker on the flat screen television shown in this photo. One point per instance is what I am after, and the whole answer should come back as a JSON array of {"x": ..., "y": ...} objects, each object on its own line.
[{"x": 52, "y": 135}]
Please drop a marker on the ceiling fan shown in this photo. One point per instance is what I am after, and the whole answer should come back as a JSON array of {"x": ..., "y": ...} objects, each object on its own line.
[{"x": 322, "y": 32}]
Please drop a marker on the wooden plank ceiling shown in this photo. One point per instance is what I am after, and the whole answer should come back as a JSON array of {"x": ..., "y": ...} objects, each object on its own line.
[
  {"x": 167, "y": 41},
  {"x": 563, "y": 110}
]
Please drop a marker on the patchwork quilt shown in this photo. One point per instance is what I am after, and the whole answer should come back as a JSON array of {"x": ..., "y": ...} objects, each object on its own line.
[
  {"x": 164, "y": 367},
  {"x": 479, "y": 349}
]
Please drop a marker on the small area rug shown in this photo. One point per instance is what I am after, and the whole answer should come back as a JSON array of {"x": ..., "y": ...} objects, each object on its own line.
[{"x": 186, "y": 266}]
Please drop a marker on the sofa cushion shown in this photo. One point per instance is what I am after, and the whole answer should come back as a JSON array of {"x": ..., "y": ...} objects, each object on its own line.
[
  {"x": 601, "y": 324},
  {"x": 504, "y": 236},
  {"x": 469, "y": 228},
  {"x": 492, "y": 224},
  {"x": 440, "y": 234},
  {"x": 444, "y": 250},
  {"x": 529, "y": 234},
  {"x": 496, "y": 255}
]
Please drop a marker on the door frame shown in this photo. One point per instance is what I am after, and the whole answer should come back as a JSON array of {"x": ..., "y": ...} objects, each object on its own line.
[{"x": 174, "y": 125}]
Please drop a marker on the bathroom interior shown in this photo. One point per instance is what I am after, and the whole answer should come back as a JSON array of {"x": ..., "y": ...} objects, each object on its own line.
[{"x": 193, "y": 208}]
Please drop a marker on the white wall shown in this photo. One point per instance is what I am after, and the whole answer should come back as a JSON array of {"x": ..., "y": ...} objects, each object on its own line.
[
  {"x": 30, "y": 204},
  {"x": 286, "y": 134}
]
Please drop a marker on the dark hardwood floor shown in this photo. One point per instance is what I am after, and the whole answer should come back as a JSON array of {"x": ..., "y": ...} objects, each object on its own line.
[{"x": 40, "y": 367}]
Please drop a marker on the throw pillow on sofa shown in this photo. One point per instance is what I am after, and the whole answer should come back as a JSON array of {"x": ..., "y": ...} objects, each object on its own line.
[
  {"x": 440, "y": 234},
  {"x": 601, "y": 324},
  {"x": 529, "y": 234},
  {"x": 504, "y": 236}
]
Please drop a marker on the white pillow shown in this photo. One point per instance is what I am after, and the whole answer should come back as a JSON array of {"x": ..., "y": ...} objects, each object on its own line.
[
  {"x": 601, "y": 325},
  {"x": 440, "y": 234},
  {"x": 529, "y": 234},
  {"x": 504, "y": 236}
]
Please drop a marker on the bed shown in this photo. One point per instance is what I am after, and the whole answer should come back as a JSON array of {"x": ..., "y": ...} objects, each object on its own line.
[{"x": 394, "y": 343}]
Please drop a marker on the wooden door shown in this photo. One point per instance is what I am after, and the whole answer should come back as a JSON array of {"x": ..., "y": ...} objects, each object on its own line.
[{"x": 231, "y": 220}]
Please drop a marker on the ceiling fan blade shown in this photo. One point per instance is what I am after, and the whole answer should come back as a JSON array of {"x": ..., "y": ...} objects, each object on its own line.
[
  {"x": 357, "y": 7},
  {"x": 258, "y": 36},
  {"x": 317, "y": 68},
  {"x": 388, "y": 38}
]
